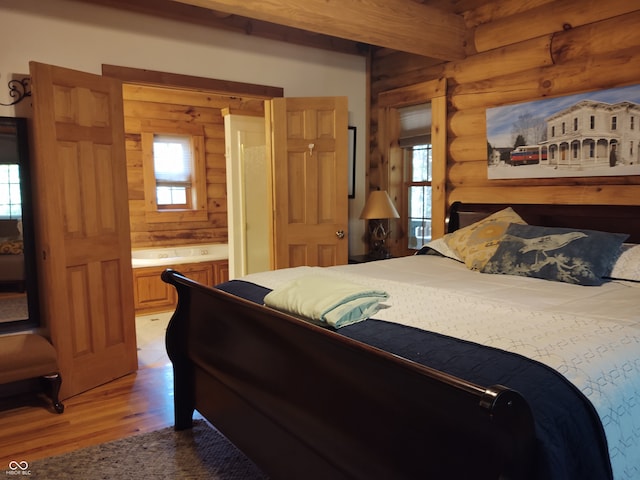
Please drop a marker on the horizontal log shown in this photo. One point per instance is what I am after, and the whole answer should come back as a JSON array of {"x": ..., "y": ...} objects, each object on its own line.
[
  {"x": 394, "y": 64},
  {"x": 466, "y": 122},
  {"x": 217, "y": 205},
  {"x": 467, "y": 174},
  {"x": 468, "y": 147},
  {"x": 218, "y": 162},
  {"x": 217, "y": 190},
  {"x": 545, "y": 19},
  {"x": 598, "y": 72},
  {"x": 576, "y": 195},
  {"x": 175, "y": 113},
  {"x": 487, "y": 12},
  {"x": 215, "y": 146},
  {"x": 192, "y": 98},
  {"x": 597, "y": 39},
  {"x": 147, "y": 239},
  {"x": 408, "y": 95},
  {"x": 405, "y": 79},
  {"x": 189, "y": 84},
  {"x": 406, "y": 26},
  {"x": 507, "y": 60}
]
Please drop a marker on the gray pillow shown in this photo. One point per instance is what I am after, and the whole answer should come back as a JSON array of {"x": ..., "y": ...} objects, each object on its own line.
[{"x": 568, "y": 255}]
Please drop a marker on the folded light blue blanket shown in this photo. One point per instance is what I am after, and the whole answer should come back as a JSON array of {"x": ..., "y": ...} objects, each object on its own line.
[{"x": 326, "y": 300}]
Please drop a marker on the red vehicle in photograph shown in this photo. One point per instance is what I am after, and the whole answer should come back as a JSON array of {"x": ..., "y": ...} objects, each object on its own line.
[{"x": 526, "y": 155}]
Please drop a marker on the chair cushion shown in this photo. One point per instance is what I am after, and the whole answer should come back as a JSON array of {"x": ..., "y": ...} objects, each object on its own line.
[{"x": 26, "y": 356}]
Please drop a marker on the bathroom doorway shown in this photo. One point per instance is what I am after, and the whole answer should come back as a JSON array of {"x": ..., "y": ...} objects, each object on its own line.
[{"x": 247, "y": 195}]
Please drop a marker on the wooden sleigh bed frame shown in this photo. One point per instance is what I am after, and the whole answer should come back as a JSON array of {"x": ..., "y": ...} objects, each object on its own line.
[{"x": 305, "y": 402}]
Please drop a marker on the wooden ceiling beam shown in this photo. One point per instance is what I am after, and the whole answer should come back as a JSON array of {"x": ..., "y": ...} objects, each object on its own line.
[
  {"x": 183, "y": 12},
  {"x": 404, "y": 25}
]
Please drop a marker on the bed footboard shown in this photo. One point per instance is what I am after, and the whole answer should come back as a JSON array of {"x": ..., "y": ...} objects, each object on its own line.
[{"x": 305, "y": 402}]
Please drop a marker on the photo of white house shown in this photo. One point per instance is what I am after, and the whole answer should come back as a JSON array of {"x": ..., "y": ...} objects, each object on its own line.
[{"x": 592, "y": 134}]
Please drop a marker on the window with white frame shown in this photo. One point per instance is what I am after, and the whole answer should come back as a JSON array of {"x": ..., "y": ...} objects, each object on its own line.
[
  {"x": 418, "y": 184},
  {"x": 415, "y": 141},
  {"x": 173, "y": 168},
  {"x": 10, "y": 198}
]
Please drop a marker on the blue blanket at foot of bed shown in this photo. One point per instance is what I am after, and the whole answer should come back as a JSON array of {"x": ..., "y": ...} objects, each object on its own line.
[{"x": 570, "y": 436}]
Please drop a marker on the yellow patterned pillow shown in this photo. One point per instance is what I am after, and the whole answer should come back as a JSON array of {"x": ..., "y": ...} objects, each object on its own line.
[
  {"x": 11, "y": 247},
  {"x": 476, "y": 243}
]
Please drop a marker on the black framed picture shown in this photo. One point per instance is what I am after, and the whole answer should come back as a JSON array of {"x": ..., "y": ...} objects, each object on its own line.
[{"x": 352, "y": 162}]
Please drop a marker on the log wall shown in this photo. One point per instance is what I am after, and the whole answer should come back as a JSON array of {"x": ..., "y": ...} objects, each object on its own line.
[
  {"x": 520, "y": 52},
  {"x": 143, "y": 103}
]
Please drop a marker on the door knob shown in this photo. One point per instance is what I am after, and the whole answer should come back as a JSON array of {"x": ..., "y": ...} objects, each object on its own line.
[{"x": 340, "y": 234}]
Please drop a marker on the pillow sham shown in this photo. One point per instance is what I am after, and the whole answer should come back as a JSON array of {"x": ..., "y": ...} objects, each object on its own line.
[
  {"x": 475, "y": 244},
  {"x": 580, "y": 257},
  {"x": 440, "y": 247},
  {"x": 11, "y": 247},
  {"x": 627, "y": 267}
]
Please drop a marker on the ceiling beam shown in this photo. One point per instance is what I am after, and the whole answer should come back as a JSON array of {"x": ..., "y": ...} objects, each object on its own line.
[
  {"x": 404, "y": 25},
  {"x": 183, "y": 12}
]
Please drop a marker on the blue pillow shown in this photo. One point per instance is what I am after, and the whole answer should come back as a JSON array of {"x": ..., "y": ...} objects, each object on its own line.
[{"x": 568, "y": 255}]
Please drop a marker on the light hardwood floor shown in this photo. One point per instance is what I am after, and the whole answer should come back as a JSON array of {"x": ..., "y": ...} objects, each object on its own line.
[{"x": 137, "y": 403}]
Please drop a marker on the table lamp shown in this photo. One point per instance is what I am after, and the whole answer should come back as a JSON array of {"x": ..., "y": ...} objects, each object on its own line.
[{"x": 378, "y": 208}]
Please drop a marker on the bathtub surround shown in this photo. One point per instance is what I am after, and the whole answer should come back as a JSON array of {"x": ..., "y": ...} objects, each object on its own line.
[{"x": 154, "y": 257}]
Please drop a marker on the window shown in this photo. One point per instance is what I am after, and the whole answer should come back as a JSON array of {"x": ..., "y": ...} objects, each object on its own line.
[
  {"x": 633, "y": 121},
  {"x": 564, "y": 130},
  {"x": 415, "y": 142},
  {"x": 553, "y": 131},
  {"x": 174, "y": 173},
  {"x": 418, "y": 162},
  {"x": 575, "y": 124},
  {"x": 173, "y": 168},
  {"x": 10, "y": 199},
  {"x": 593, "y": 122},
  {"x": 614, "y": 122},
  {"x": 416, "y": 151}
]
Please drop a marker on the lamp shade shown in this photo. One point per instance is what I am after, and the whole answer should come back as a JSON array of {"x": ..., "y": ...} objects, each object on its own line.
[{"x": 379, "y": 206}]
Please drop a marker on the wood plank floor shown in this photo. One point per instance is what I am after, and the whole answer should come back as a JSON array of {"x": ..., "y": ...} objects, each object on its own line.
[{"x": 137, "y": 403}]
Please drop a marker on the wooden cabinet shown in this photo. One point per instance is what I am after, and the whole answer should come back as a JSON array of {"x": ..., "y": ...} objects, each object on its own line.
[{"x": 151, "y": 294}]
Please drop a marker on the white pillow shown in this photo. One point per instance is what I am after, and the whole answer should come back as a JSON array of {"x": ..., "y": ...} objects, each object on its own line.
[
  {"x": 440, "y": 246},
  {"x": 627, "y": 267}
]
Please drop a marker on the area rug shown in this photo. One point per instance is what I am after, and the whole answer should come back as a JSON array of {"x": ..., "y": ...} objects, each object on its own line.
[
  {"x": 200, "y": 453},
  {"x": 13, "y": 308}
]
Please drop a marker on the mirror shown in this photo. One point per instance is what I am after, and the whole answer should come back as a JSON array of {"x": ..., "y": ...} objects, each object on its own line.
[{"x": 18, "y": 282}]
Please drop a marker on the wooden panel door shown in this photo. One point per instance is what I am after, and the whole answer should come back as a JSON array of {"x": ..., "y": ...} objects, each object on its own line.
[
  {"x": 82, "y": 228},
  {"x": 308, "y": 148}
]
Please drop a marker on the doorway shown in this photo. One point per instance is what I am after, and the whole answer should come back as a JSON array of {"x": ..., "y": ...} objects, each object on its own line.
[
  {"x": 247, "y": 190},
  {"x": 171, "y": 99}
]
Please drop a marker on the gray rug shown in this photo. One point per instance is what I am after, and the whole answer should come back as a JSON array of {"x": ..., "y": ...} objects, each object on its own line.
[
  {"x": 13, "y": 308},
  {"x": 200, "y": 453}
]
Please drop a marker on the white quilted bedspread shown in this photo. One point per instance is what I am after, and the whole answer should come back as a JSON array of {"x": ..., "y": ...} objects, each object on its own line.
[{"x": 589, "y": 334}]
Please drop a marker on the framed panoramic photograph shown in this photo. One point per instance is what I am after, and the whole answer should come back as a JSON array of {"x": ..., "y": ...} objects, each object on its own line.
[{"x": 584, "y": 135}]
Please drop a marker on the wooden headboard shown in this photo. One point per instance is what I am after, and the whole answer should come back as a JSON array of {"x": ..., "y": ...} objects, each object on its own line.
[{"x": 606, "y": 218}]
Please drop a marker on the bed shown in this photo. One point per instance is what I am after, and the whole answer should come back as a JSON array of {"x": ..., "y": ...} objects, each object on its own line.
[{"x": 460, "y": 373}]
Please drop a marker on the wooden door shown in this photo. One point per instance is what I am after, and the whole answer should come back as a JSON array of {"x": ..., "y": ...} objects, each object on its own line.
[
  {"x": 82, "y": 216},
  {"x": 308, "y": 144}
]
